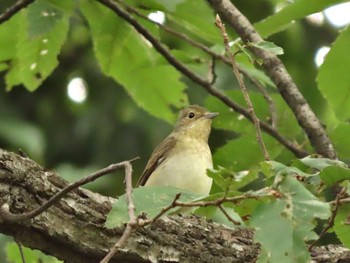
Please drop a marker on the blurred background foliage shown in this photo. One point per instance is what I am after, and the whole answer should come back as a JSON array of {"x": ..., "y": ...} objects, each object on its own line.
[{"x": 76, "y": 138}]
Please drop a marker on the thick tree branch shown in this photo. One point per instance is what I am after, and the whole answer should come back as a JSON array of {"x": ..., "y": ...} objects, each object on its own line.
[
  {"x": 211, "y": 89},
  {"x": 11, "y": 11},
  {"x": 280, "y": 76},
  {"x": 72, "y": 229}
]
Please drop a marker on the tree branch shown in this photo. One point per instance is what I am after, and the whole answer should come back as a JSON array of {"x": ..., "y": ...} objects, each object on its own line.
[
  {"x": 73, "y": 229},
  {"x": 11, "y": 11},
  {"x": 6, "y": 215},
  {"x": 197, "y": 79},
  {"x": 244, "y": 90},
  {"x": 280, "y": 76}
]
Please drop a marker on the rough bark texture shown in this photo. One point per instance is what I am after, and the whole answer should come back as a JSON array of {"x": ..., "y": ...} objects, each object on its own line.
[
  {"x": 275, "y": 69},
  {"x": 73, "y": 231}
]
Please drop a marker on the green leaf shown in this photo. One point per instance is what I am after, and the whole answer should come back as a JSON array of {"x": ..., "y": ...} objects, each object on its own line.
[
  {"x": 295, "y": 10},
  {"x": 321, "y": 163},
  {"x": 194, "y": 16},
  {"x": 273, "y": 168},
  {"x": 268, "y": 46},
  {"x": 42, "y": 17},
  {"x": 229, "y": 120},
  {"x": 37, "y": 52},
  {"x": 244, "y": 152},
  {"x": 13, "y": 255},
  {"x": 334, "y": 73},
  {"x": 333, "y": 174},
  {"x": 124, "y": 55},
  {"x": 8, "y": 39},
  {"x": 149, "y": 200},
  {"x": 215, "y": 214},
  {"x": 339, "y": 138},
  {"x": 293, "y": 215},
  {"x": 276, "y": 248},
  {"x": 341, "y": 224},
  {"x": 228, "y": 180}
]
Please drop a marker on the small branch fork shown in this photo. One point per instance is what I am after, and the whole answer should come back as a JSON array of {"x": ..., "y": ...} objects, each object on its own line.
[
  {"x": 7, "y": 216},
  {"x": 132, "y": 218},
  {"x": 337, "y": 202},
  {"x": 244, "y": 90}
]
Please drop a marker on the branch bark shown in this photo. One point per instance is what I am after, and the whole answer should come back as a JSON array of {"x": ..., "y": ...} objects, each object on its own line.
[
  {"x": 12, "y": 10},
  {"x": 73, "y": 230},
  {"x": 275, "y": 69}
]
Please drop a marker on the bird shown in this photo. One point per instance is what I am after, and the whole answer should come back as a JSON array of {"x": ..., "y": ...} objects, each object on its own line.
[{"x": 183, "y": 157}]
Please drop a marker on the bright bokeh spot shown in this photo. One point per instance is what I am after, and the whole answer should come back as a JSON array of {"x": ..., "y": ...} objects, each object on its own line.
[
  {"x": 77, "y": 90},
  {"x": 320, "y": 55},
  {"x": 338, "y": 15},
  {"x": 158, "y": 17},
  {"x": 315, "y": 19}
]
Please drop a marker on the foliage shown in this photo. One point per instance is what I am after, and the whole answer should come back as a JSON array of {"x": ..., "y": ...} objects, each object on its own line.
[{"x": 45, "y": 45}]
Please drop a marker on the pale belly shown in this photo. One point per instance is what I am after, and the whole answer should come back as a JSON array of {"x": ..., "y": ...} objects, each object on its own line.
[{"x": 186, "y": 170}]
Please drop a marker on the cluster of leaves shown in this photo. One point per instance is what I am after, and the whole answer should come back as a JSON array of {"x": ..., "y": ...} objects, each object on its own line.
[{"x": 283, "y": 204}]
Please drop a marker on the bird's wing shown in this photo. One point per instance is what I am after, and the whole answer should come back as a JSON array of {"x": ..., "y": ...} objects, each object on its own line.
[{"x": 157, "y": 157}]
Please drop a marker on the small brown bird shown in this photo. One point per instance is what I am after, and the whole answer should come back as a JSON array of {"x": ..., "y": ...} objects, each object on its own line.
[{"x": 182, "y": 159}]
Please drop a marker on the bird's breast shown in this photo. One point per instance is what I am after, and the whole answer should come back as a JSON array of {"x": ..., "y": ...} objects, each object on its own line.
[{"x": 185, "y": 167}]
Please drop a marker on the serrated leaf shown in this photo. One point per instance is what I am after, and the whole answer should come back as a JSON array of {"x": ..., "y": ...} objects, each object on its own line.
[
  {"x": 321, "y": 163},
  {"x": 244, "y": 152},
  {"x": 334, "y": 73},
  {"x": 341, "y": 224},
  {"x": 333, "y": 174},
  {"x": 268, "y": 46},
  {"x": 149, "y": 200},
  {"x": 293, "y": 215},
  {"x": 272, "y": 168},
  {"x": 275, "y": 247},
  {"x": 124, "y": 55},
  {"x": 215, "y": 214},
  {"x": 36, "y": 55},
  {"x": 193, "y": 16},
  {"x": 228, "y": 180},
  {"x": 42, "y": 17}
]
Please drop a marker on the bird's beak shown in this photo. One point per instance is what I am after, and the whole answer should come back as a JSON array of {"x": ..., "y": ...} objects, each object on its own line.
[{"x": 211, "y": 115}]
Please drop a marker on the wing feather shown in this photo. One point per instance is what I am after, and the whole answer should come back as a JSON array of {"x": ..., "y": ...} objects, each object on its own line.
[{"x": 157, "y": 157}]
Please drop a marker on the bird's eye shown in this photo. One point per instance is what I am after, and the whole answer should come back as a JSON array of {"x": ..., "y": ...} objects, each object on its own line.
[{"x": 191, "y": 115}]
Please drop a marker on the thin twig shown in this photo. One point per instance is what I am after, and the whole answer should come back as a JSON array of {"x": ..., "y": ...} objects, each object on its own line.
[
  {"x": 342, "y": 201},
  {"x": 196, "y": 78},
  {"x": 244, "y": 90},
  {"x": 211, "y": 76},
  {"x": 330, "y": 222},
  {"x": 131, "y": 211},
  {"x": 228, "y": 216},
  {"x": 21, "y": 252},
  {"x": 7, "y": 216},
  {"x": 162, "y": 212},
  {"x": 267, "y": 97},
  {"x": 213, "y": 54},
  {"x": 12, "y": 10}
]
